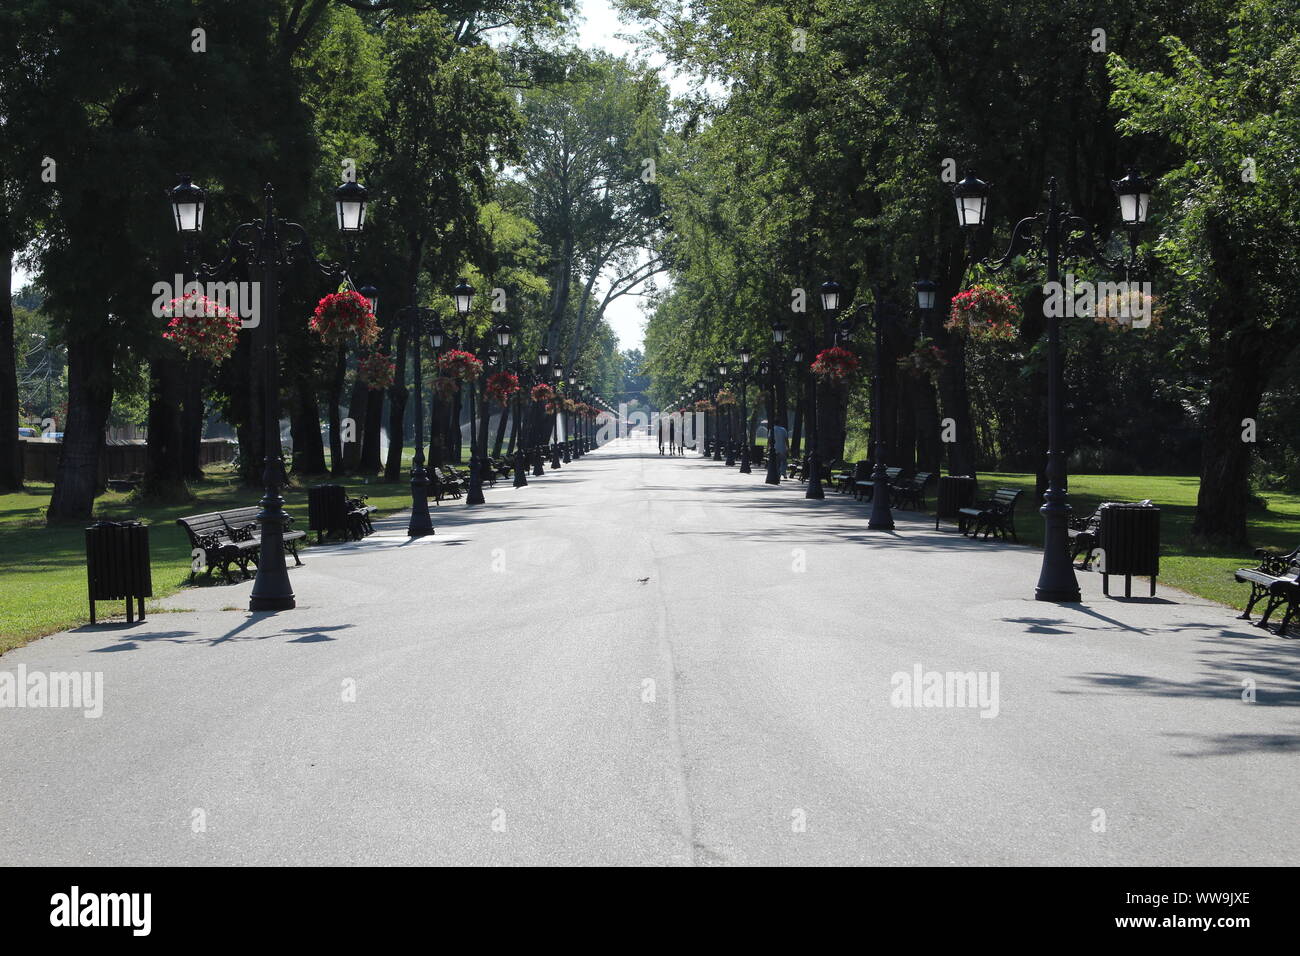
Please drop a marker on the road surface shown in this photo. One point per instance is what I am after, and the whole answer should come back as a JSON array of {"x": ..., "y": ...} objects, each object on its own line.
[{"x": 646, "y": 660}]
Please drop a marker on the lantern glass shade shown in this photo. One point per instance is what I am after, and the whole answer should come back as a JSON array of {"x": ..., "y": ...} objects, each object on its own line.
[
  {"x": 745, "y": 357},
  {"x": 798, "y": 355},
  {"x": 187, "y": 207},
  {"x": 722, "y": 370},
  {"x": 779, "y": 330},
  {"x": 1134, "y": 195},
  {"x": 544, "y": 358},
  {"x": 463, "y": 296},
  {"x": 573, "y": 378},
  {"x": 350, "y": 205},
  {"x": 831, "y": 293},
  {"x": 925, "y": 293},
  {"x": 558, "y": 373},
  {"x": 503, "y": 333},
  {"x": 437, "y": 335},
  {"x": 493, "y": 356},
  {"x": 972, "y": 198}
]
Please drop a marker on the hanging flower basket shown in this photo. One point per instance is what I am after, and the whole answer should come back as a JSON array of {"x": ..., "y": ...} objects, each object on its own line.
[
  {"x": 567, "y": 404},
  {"x": 201, "y": 327},
  {"x": 725, "y": 396},
  {"x": 501, "y": 385},
  {"x": 461, "y": 365},
  {"x": 704, "y": 405},
  {"x": 377, "y": 371},
  {"x": 1129, "y": 310},
  {"x": 834, "y": 364},
  {"x": 340, "y": 315},
  {"x": 550, "y": 408},
  {"x": 444, "y": 386},
  {"x": 542, "y": 393},
  {"x": 984, "y": 313},
  {"x": 924, "y": 361}
]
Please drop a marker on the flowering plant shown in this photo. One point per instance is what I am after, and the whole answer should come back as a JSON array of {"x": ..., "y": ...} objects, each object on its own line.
[
  {"x": 704, "y": 405},
  {"x": 984, "y": 312},
  {"x": 725, "y": 396},
  {"x": 549, "y": 408},
  {"x": 201, "y": 327},
  {"x": 340, "y": 314},
  {"x": 834, "y": 364},
  {"x": 377, "y": 371},
  {"x": 566, "y": 404},
  {"x": 445, "y": 387},
  {"x": 459, "y": 364},
  {"x": 542, "y": 392},
  {"x": 501, "y": 385},
  {"x": 1130, "y": 309},
  {"x": 924, "y": 360}
]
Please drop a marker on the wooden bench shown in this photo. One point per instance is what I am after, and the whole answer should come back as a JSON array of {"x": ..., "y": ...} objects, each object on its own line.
[
  {"x": 866, "y": 487},
  {"x": 911, "y": 491},
  {"x": 231, "y": 538},
  {"x": 995, "y": 516},
  {"x": 845, "y": 479},
  {"x": 1083, "y": 538},
  {"x": 1278, "y": 578},
  {"x": 444, "y": 484}
]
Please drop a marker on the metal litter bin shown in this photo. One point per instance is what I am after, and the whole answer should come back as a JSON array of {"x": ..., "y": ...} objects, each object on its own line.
[
  {"x": 117, "y": 564},
  {"x": 327, "y": 510},
  {"x": 955, "y": 492},
  {"x": 1129, "y": 536}
]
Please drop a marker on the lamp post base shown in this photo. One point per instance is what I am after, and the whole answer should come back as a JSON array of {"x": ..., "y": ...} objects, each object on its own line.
[
  {"x": 474, "y": 496},
  {"x": 815, "y": 480},
  {"x": 271, "y": 588},
  {"x": 420, "y": 524}
]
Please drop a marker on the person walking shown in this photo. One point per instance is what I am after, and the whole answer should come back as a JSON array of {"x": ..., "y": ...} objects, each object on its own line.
[
  {"x": 672, "y": 436},
  {"x": 661, "y": 435},
  {"x": 780, "y": 448}
]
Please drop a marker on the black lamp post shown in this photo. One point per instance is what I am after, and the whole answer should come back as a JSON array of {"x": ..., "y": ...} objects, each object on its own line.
[
  {"x": 730, "y": 440},
  {"x": 745, "y": 358},
  {"x": 775, "y": 366},
  {"x": 462, "y": 299},
  {"x": 831, "y": 292},
  {"x": 268, "y": 246},
  {"x": 1052, "y": 234}
]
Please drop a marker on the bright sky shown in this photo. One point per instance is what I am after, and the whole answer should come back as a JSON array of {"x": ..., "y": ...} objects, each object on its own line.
[{"x": 597, "y": 30}]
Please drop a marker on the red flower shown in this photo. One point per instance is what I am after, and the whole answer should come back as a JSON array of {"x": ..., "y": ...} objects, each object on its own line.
[
  {"x": 341, "y": 313},
  {"x": 834, "y": 364}
]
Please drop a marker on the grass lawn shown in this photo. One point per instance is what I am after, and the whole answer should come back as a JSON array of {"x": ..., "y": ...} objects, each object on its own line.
[{"x": 43, "y": 570}]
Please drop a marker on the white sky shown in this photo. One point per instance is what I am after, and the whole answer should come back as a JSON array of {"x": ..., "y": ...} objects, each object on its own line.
[{"x": 597, "y": 29}]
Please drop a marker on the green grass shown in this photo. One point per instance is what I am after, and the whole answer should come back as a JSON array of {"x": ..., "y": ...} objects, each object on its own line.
[
  {"x": 1206, "y": 573},
  {"x": 43, "y": 570}
]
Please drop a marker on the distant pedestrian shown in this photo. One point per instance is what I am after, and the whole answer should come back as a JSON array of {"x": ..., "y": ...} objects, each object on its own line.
[
  {"x": 780, "y": 448},
  {"x": 672, "y": 436},
  {"x": 661, "y": 437}
]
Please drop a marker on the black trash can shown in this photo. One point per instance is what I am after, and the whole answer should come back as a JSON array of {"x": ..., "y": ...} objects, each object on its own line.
[
  {"x": 955, "y": 492},
  {"x": 1129, "y": 537},
  {"x": 117, "y": 564},
  {"x": 327, "y": 510}
]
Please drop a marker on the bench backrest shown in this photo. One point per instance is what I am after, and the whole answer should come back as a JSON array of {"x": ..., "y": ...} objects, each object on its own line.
[
  {"x": 1004, "y": 499},
  {"x": 218, "y": 522},
  {"x": 923, "y": 478}
]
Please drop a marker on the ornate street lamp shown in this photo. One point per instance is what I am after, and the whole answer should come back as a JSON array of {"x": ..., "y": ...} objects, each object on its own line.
[
  {"x": 730, "y": 443},
  {"x": 462, "y": 299},
  {"x": 1052, "y": 234},
  {"x": 831, "y": 294},
  {"x": 745, "y": 357},
  {"x": 267, "y": 246},
  {"x": 421, "y": 322}
]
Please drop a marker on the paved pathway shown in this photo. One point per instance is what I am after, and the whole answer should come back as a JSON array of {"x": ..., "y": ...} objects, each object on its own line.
[{"x": 651, "y": 660}]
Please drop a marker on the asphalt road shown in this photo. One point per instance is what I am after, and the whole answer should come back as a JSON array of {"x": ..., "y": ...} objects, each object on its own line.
[{"x": 646, "y": 660}]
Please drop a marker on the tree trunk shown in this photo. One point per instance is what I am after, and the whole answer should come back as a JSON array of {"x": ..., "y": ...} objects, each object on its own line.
[
  {"x": 336, "y": 421},
  {"x": 357, "y": 406},
  {"x": 1242, "y": 359},
  {"x": 90, "y": 399},
  {"x": 397, "y": 400},
  {"x": 501, "y": 433},
  {"x": 164, "y": 474},
  {"x": 192, "y": 420},
  {"x": 11, "y": 465},
  {"x": 308, "y": 448},
  {"x": 371, "y": 462}
]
